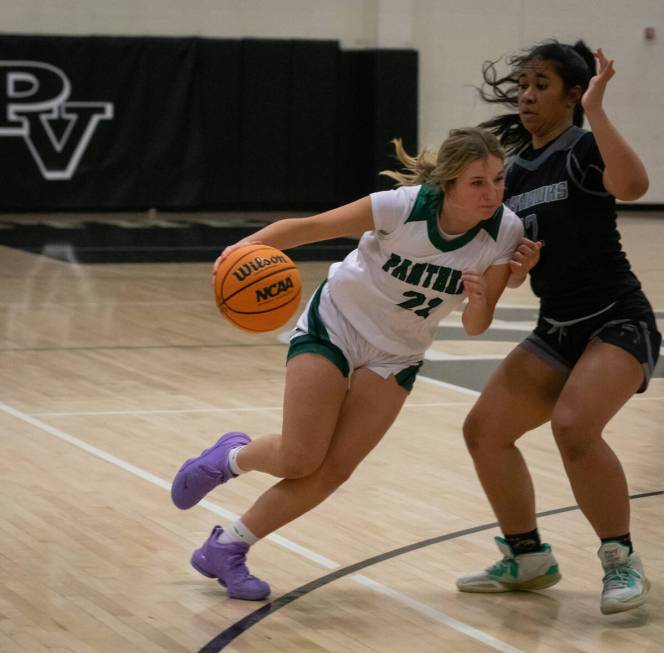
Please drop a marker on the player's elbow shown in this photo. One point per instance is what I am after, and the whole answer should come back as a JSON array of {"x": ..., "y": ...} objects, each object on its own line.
[
  {"x": 633, "y": 189},
  {"x": 475, "y": 327},
  {"x": 640, "y": 188}
]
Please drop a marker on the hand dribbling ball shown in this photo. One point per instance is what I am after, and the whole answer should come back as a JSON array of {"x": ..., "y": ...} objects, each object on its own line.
[{"x": 257, "y": 288}]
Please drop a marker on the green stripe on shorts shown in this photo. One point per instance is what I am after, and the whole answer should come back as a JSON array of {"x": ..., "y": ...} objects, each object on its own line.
[
  {"x": 317, "y": 341},
  {"x": 406, "y": 377},
  {"x": 313, "y": 344}
]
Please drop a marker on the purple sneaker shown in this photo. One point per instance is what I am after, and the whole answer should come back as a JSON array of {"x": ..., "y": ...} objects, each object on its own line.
[
  {"x": 227, "y": 563},
  {"x": 201, "y": 474}
]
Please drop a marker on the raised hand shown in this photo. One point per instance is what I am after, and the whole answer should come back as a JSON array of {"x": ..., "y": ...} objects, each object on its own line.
[{"x": 594, "y": 95}]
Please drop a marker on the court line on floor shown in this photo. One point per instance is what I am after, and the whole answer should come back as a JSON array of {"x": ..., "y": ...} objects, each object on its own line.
[
  {"x": 459, "y": 626},
  {"x": 114, "y": 304},
  {"x": 167, "y": 411},
  {"x": 238, "y": 628},
  {"x": 250, "y": 409},
  {"x": 102, "y": 348},
  {"x": 448, "y": 386},
  {"x": 186, "y": 411}
]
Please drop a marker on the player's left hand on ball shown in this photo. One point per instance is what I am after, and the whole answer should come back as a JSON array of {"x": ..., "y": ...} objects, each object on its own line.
[
  {"x": 474, "y": 286},
  {"x": 227, "y": 250}
]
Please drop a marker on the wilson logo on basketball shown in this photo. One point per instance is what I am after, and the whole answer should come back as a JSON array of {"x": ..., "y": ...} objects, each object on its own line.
[
  {"x": 257, "y": 288},
  {"x": 274, "y": 290},
  {"x": 256, "y": 265}
]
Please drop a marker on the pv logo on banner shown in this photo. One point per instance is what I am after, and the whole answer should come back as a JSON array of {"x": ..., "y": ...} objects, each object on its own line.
[{"x": 34, "y": 106}]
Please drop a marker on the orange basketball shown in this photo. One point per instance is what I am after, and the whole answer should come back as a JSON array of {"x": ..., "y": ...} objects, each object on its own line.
[{"x": 257, "y": 288}]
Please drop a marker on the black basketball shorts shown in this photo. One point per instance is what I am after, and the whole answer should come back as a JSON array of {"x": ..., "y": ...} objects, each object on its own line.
[{"x": 628, "y": 323}]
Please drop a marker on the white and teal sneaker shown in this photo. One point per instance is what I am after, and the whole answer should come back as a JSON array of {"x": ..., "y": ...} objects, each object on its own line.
[
  {"x": 625, "y": 582},
  {"x": 526, "y": 571}
]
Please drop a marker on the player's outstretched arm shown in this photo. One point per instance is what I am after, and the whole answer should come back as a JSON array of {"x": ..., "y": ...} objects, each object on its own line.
[{"x": 347, "y": 220}]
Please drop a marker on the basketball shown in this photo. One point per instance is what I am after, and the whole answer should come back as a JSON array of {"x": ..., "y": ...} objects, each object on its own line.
[{"x": 257, "y": 288}]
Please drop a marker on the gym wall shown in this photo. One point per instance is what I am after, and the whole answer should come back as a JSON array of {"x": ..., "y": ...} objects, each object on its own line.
[
  {"x": 452, "y": 40},
  {"x": 130, "y": 123}
]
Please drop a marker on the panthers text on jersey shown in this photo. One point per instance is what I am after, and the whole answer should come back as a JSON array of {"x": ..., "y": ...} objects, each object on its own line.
[{"x": 405, "y": 275}]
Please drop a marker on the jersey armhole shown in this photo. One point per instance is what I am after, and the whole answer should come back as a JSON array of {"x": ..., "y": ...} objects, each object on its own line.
[{"x": 572, "y": 163}]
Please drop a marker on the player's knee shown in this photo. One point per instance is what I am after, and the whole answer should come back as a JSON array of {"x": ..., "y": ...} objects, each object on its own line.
[
  {"x": 300, "y": 464},
  {"x": 336, "y": 474},
  {"x": 476, "y": 432},
  {"x": 573, "y": 439}
]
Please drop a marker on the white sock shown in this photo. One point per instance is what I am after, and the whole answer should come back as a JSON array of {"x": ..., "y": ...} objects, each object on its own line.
[
  {"x": 237, "y": 532},
  {"x": 232, "y": 461}
]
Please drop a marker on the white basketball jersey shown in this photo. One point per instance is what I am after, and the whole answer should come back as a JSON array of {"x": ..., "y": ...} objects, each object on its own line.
[{"x": 405, "y": 276}]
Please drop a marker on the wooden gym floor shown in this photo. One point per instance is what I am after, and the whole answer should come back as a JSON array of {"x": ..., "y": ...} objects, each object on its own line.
[{"x": 112, "y": 374}]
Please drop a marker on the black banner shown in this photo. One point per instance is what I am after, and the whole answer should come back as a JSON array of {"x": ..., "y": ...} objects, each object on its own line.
[{"x": 119, "y": 123}]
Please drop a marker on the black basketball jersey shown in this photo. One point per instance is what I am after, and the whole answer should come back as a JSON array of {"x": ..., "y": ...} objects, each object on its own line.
[{"x": 558, "y": 192}]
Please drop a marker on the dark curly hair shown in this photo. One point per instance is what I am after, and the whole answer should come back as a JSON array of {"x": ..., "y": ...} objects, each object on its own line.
[{"x": 574, "y": 63}]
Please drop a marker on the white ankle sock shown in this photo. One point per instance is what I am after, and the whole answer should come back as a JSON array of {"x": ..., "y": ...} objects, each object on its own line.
[
  {"x": 232, "y": 461},
  {"x": 237, "y": 532}
]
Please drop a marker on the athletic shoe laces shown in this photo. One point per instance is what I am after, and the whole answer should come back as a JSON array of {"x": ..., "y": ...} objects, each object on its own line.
[
  {"x": 504, "y": 566},
  {"x": 620, "y": 577},
  {"x": 214, "y": 474},
  {"x": 238, "y": 568}
]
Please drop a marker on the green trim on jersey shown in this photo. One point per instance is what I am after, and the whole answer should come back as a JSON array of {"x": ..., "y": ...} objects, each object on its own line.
[
  {"x": 428, "y": 201},
  {"x": 427, "y": 207},
  {"x": 492, "y": 225}
]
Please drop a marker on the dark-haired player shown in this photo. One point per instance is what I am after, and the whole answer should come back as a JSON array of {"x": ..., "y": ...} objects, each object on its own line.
[{"x": 596, "y": 340}]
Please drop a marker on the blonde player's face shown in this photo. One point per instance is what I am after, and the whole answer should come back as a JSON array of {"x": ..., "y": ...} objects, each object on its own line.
[{"x": 478, "y": 191}]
